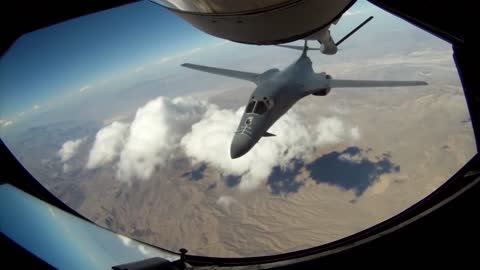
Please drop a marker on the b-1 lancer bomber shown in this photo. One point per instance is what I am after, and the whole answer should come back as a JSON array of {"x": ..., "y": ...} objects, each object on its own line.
[{"x": 277, "y": 91}]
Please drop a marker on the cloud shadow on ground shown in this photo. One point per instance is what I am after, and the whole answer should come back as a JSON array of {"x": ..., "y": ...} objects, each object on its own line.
[
  {"x": 282, "y": 181},
  {"x": 350, "y": 170},
  {"x": 232, "y": 180},
  {"x": 196, "y": 174}
]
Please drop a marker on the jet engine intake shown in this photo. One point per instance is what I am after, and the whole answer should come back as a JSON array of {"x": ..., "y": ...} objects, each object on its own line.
[{"x": 323, "y": 91}]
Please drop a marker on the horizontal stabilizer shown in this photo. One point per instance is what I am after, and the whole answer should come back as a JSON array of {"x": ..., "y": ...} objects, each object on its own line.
[
  {"x": 365, "y": 83},
  {"x": 242, "y": 75},
  {"x": 268, "y": 134}
]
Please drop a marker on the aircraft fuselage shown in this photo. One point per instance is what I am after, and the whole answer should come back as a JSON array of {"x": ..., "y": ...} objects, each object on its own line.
[{"x": 274, "y": 96}]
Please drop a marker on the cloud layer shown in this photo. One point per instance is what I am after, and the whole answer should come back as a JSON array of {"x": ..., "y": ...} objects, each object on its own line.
[
  {"x": 165, "y": 129},
  {"x": 155, "y": 133}
]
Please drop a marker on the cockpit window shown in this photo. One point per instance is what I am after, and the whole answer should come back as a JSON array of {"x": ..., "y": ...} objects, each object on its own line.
[
  {"x": 250, "y": 106},
  {"x": 261, "y": 107}
]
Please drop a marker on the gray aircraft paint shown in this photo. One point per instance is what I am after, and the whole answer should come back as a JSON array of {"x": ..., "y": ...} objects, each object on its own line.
[{"x": 279, "y": 91}]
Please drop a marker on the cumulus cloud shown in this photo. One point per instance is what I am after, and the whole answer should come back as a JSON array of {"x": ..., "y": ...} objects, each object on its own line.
[
  {"x": 154, "y": 135},
  {"x": 69, "y": 149},
  {"x": 109, "y": 141},
  {"x": 210, "y": 139},
  {"x": 165, "y": 129},
  {"x": 329, "y": 130},
  {"x": 5, "y": 123}
]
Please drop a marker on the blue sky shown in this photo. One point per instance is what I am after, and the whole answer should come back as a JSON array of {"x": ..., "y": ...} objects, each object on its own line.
[
  {"x": 70, "y": 55},
  {"x": 46, "y": 66}
]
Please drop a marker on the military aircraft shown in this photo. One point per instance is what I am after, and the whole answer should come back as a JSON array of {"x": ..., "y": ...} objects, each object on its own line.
[{"x": 277, "y": 91}]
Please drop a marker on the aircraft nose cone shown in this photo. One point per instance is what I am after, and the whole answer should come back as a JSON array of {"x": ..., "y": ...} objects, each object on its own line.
[{"x": 241, "y": 143}]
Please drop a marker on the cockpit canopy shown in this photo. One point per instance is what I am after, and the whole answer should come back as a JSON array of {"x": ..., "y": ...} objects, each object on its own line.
[{"x": 259, "y": 106}]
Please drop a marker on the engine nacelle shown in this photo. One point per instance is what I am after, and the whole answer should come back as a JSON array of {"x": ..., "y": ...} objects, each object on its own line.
[{"x": 323, "y": 91}]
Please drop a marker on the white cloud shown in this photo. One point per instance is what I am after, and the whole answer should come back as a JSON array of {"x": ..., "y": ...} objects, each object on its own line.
[
  {"x": 66, "y": 168},
  {"x": 5, "y": 123},
  {"x": 165, "y": 128},
  {"x": 36, "y": 107},
  {"x": 210, "y": 141},
  {"x": 109, "y": 141},
  {"x": 86, "y": 87},
  {"x": 226, "y": 201},
  {"x": 333, "y": 130},
  {"x": 353, "y": 158},
  {"x": 69, "y": 149},
  {"x": 139, "y": 69},
  {"x": 154, "y": 134},
  {"x": 355, "y": 133}
]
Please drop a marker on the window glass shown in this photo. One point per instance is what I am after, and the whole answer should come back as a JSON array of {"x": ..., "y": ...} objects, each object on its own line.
[
  {"x": 101, "y": 112},
  {"x": 260, "y": 108},
  {"x": 250, "y": 106}
]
